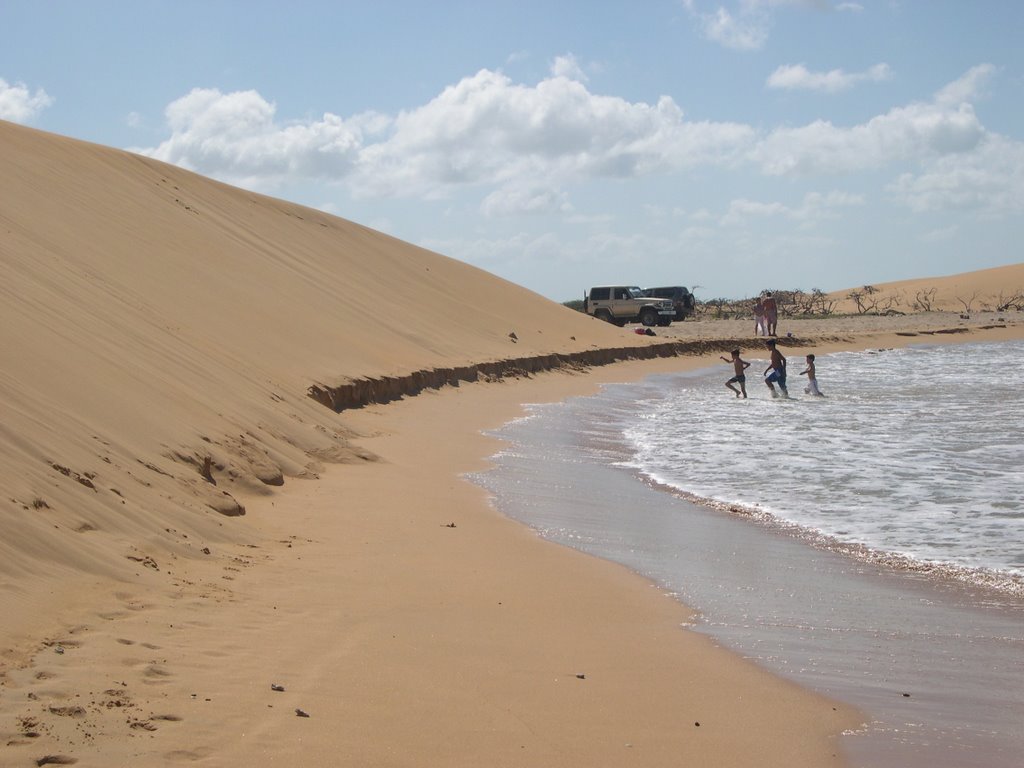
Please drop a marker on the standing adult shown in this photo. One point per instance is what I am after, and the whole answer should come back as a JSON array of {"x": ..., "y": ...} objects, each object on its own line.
[
  {"x": 760, "y": 329},
  {"x": 771, "y": 313}
]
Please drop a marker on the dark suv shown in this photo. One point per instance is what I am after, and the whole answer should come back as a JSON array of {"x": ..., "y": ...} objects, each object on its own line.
[{"x": 681, "y": 299}]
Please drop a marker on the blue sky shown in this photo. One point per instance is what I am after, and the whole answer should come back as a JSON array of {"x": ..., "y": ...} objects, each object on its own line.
[{"x": 734, "y": 145}]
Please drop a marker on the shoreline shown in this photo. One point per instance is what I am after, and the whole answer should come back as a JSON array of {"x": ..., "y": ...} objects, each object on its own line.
[
  {"x": 604, "y": 536},
  {"x": 407, "y": 641},
  {"x": 986, "y": 580},
  {"x": 862, "y": 634}
]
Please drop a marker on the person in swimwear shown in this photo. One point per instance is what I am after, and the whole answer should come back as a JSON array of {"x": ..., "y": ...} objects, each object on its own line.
[
  {"x": 777, "y": 366},
  {"x": 771, "y": 314},
  {"x": 760, "y": 328},
  {"x": 812, "y": 381},
  {"x": 739, "y": 377}
]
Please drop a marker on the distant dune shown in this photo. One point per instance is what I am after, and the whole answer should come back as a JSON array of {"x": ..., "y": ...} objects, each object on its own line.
[{"x": 985, "y": 289}]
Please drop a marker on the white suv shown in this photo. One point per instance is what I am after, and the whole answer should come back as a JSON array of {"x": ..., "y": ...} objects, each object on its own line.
[{"x": 621, "y": 304}]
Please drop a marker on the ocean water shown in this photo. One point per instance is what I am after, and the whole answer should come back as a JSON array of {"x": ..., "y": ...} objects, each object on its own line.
[
  {"x": 868, "y": 544},
  {"x": 913, "y": 456}
]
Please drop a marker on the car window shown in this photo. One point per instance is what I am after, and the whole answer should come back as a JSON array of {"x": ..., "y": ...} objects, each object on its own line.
[
  {"x": 600, "y": 294},
  {"x": 668, "y": 292},
  {"x": 621, "y": 293}
]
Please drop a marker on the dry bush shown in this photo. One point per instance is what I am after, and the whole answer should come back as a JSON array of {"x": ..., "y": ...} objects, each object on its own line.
[
  {"x": 1013, "y": 301},
  {"x": 924, "y": 300},
  {"x": 968, "y": 302},
  {"x": 864, "y": 299},
  {"x": 790, "y": 303}
]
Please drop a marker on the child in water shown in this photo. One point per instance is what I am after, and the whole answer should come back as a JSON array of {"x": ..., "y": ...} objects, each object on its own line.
[
  {"x": 812, "y": 381},
  {"x": 739, "y": 377},
  {"x": 775, "y": 373}
]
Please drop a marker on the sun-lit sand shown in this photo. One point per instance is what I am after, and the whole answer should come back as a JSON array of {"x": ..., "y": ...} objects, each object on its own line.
[{"x": 202, "y": 563}]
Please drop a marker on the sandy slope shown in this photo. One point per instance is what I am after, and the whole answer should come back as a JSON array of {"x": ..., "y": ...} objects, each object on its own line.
[
  {"x": 153, "y": 319},
  {"x": 984, "y": 289}
]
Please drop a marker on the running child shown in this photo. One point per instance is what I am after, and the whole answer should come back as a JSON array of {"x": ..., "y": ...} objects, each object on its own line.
[
  {"x": 739, "y": 377},
  {"x": 777, "y": 366},
  {"x": 812, "y": 381}
]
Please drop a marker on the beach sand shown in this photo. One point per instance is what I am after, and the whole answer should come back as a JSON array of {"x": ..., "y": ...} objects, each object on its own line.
[
  {"x": 203, "y": 564},
  {"x": 935, "y": 662}
]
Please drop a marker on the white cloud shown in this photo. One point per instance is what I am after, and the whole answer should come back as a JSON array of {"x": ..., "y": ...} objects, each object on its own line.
[
  {"x": 813, "y": 208},
  {"x": 849, "y": 7},
  {"x": 942, "y": 235},
  {"x": 989, "y": 181},
  {"x": 744, "y": 32},
  {"x": 484, "y": 130},
  {"x": 512, "y": 200},
  {"x": 604, "y": 256},
  {"x": 972, "y": 86},
  {"x": 913, "y": 133},
  {"x": 588, "y": 219},
  {"x": 234, "y": 136},
  {"x": 955, "y": 163},
  {"x": 509, "y": 254},
  {"x": 567, "y": 66},
  {"x": 742, "y": 210},
  {"x": 664, "y": 213},
  {"x": 817, "y": 206},
  {"x": 19, "y": 105},
  {"x": 488, "y": 130},
  {"x": 523, "y": 144},
  {"x": 747, "y": 27},
  {"x": 798, "y": 77}
]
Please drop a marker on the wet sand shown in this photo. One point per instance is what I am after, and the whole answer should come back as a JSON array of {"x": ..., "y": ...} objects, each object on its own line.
[
  {"x": 386, "y": 615},
  {"x": 937, "y": 665}
]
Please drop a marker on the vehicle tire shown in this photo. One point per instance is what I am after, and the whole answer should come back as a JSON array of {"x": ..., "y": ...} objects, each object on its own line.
[
  {"x": 664, "y": 322},
  {"x": 604, "y": 314},
  {"x": 648, "y": 317}
]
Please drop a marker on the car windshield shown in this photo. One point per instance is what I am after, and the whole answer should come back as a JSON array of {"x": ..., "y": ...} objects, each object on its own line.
[{"x": 635, "y": 292}]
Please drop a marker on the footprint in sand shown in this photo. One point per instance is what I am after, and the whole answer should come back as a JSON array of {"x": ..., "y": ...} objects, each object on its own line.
[
  {"x": 189, "y": 755},
  {"x": 73, "y": 711},
  {"x": 148, "y": 646},
  {"x": 56, "y": 760},
  {"x": 28, "y": 727},
  {"x": 156, "y": 675},
  {"x": 62, "y": 645}
]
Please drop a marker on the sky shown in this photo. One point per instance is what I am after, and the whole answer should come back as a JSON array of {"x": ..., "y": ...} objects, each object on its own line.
[{"x": 729, "y": 146}]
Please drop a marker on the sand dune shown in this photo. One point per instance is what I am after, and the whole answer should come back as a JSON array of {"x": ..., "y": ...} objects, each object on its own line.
[
  {"x": 161, "y": 333},
  {"x": 981, "y": 290},
  {"x": 153, "y": 318}
]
